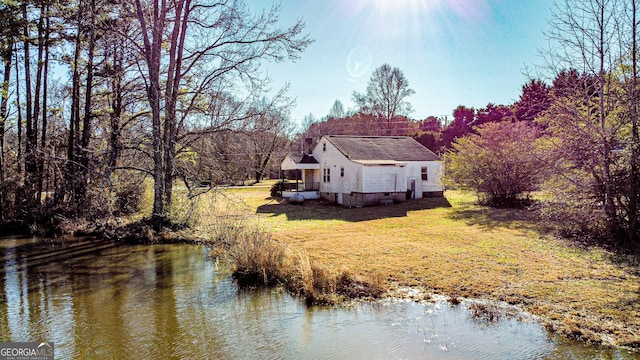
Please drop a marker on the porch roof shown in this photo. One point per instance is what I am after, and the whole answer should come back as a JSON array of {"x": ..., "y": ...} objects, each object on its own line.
[{"x": 299, "y": 162}]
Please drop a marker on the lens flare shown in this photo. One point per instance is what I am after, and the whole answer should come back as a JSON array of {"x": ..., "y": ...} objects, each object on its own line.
[{"x": 359, "y": 61}]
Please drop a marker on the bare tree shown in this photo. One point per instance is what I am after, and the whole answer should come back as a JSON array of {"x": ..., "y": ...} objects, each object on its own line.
[
  {"x": 36, "y": 32},
  {"x": 268, "y": 134},
  {"x": 337, "y": 110},
  {"x": 386, "y": 94},
  {"x": 206, "y": 43},
  {"x": 590, "y": 116},
  {"x": 629, "y": 31},
  {"x": 9, "y": 31}
]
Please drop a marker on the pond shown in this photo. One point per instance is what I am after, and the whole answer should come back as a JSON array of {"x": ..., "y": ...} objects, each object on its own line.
[{"x": 100, "y": 299}]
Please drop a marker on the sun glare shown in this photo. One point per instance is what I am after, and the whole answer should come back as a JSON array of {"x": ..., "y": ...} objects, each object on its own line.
[
  {"x": 403, "y": 6},
  {"x": 390, "y": 17},
  {"x": 469, "y": 10}
]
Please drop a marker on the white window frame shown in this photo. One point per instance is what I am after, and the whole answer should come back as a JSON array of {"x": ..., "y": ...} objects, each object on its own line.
[
  {"x": 424, "y": 173},
  {"x": 326, "y": 175}
]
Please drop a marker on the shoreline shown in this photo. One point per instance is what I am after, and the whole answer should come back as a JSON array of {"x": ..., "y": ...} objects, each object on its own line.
[
  {"x": 552, "y": 318},
  {"x": 506, "y": 310},
  {"x": 453, "y": 249}
]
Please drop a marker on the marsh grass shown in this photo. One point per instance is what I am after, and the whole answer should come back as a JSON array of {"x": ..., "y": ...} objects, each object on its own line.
[
  {"x": 454, "y": 300},
  {"x": 460, "y": 249},
  {"x": 486, "y": 313},
  {"x": 255, "y": 258},
  {"x": 258, "y": 259}
]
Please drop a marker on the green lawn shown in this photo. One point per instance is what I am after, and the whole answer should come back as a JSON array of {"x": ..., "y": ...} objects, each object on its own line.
[{"x": 456, "y": 248}]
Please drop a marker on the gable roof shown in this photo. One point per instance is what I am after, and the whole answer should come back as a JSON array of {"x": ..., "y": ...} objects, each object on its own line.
[
  {"x": 299, "y": 162},
  {"x": 303, "y": 159},
  {"x": 397, "y": 148}
]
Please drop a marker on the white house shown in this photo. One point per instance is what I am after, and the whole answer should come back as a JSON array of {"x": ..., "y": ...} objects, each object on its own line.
[{"x": 366, "y": 170}]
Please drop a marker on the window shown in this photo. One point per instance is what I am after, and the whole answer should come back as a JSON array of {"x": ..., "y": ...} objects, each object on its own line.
[
  {"x": 341, "y": 172},
  {"x": 424, "y": 173},
  {"x": 326, "y": 175},
  {"x": 324, "y": 146}
]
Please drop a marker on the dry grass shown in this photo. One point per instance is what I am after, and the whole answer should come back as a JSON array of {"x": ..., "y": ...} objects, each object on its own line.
[
  {"x": 456, "y": 248},
  {"x": 257, "y": 259}
]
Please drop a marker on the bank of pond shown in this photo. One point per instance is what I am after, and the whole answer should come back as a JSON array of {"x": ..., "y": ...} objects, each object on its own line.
[{"x": 103, "y": 299}]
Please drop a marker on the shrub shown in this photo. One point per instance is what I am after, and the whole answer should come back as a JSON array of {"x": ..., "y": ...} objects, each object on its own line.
[
  {"x": 499, "y": 163},
  {"x": 127, "y": 199},
  {"x": 183, "y": 210},
  {"x": 277, "y": 188}
]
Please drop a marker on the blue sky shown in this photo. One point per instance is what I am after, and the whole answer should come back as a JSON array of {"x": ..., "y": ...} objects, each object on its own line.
[{"x": 453, "y": 52}]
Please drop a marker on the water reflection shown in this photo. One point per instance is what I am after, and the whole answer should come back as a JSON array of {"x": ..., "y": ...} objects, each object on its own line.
[{"x": 99, "y": 299}]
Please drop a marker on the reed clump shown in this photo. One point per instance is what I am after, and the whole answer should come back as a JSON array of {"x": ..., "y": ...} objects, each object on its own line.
[
  {"x": 256, "y": 259},
  {"x": 486, "y": 313}
]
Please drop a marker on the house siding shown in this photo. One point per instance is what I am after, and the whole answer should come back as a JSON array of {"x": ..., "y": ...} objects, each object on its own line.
[
  {"x": 371, "y": 184},
  {"x": 433, "y": 185},
  {"x": 382, "y": 179},
  {"x": 333, "y": 160}
]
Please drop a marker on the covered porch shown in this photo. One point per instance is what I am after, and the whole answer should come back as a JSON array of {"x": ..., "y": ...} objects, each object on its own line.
[{"x": 306, "y": 183}]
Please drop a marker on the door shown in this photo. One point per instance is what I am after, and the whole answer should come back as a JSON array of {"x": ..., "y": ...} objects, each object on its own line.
[{"x": 413, "y": 188}]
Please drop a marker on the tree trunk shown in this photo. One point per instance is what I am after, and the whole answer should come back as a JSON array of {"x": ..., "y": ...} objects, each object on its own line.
[
  {"x": 19, "y": 124},
  {"x": 634, "y": 216},
  {"x": 609, "y": 198},
  {"x": 171, "y": 94},
  {"x": 29, "y": 201},
  {"x": 152, "y": 52},
  {"x": 6, "y": 61},
  {"x": 45, "y": 84},
  {"x": 263, "y": 159},
  {"x": 116, "y": 113},
  {"x": 35, "y": 117},
  {"x": 74, "y": 123},
  {"x": 86, "y": 121}
]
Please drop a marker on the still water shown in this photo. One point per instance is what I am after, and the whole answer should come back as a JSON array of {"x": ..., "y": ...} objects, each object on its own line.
[{"x": 99, "y": 299}]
